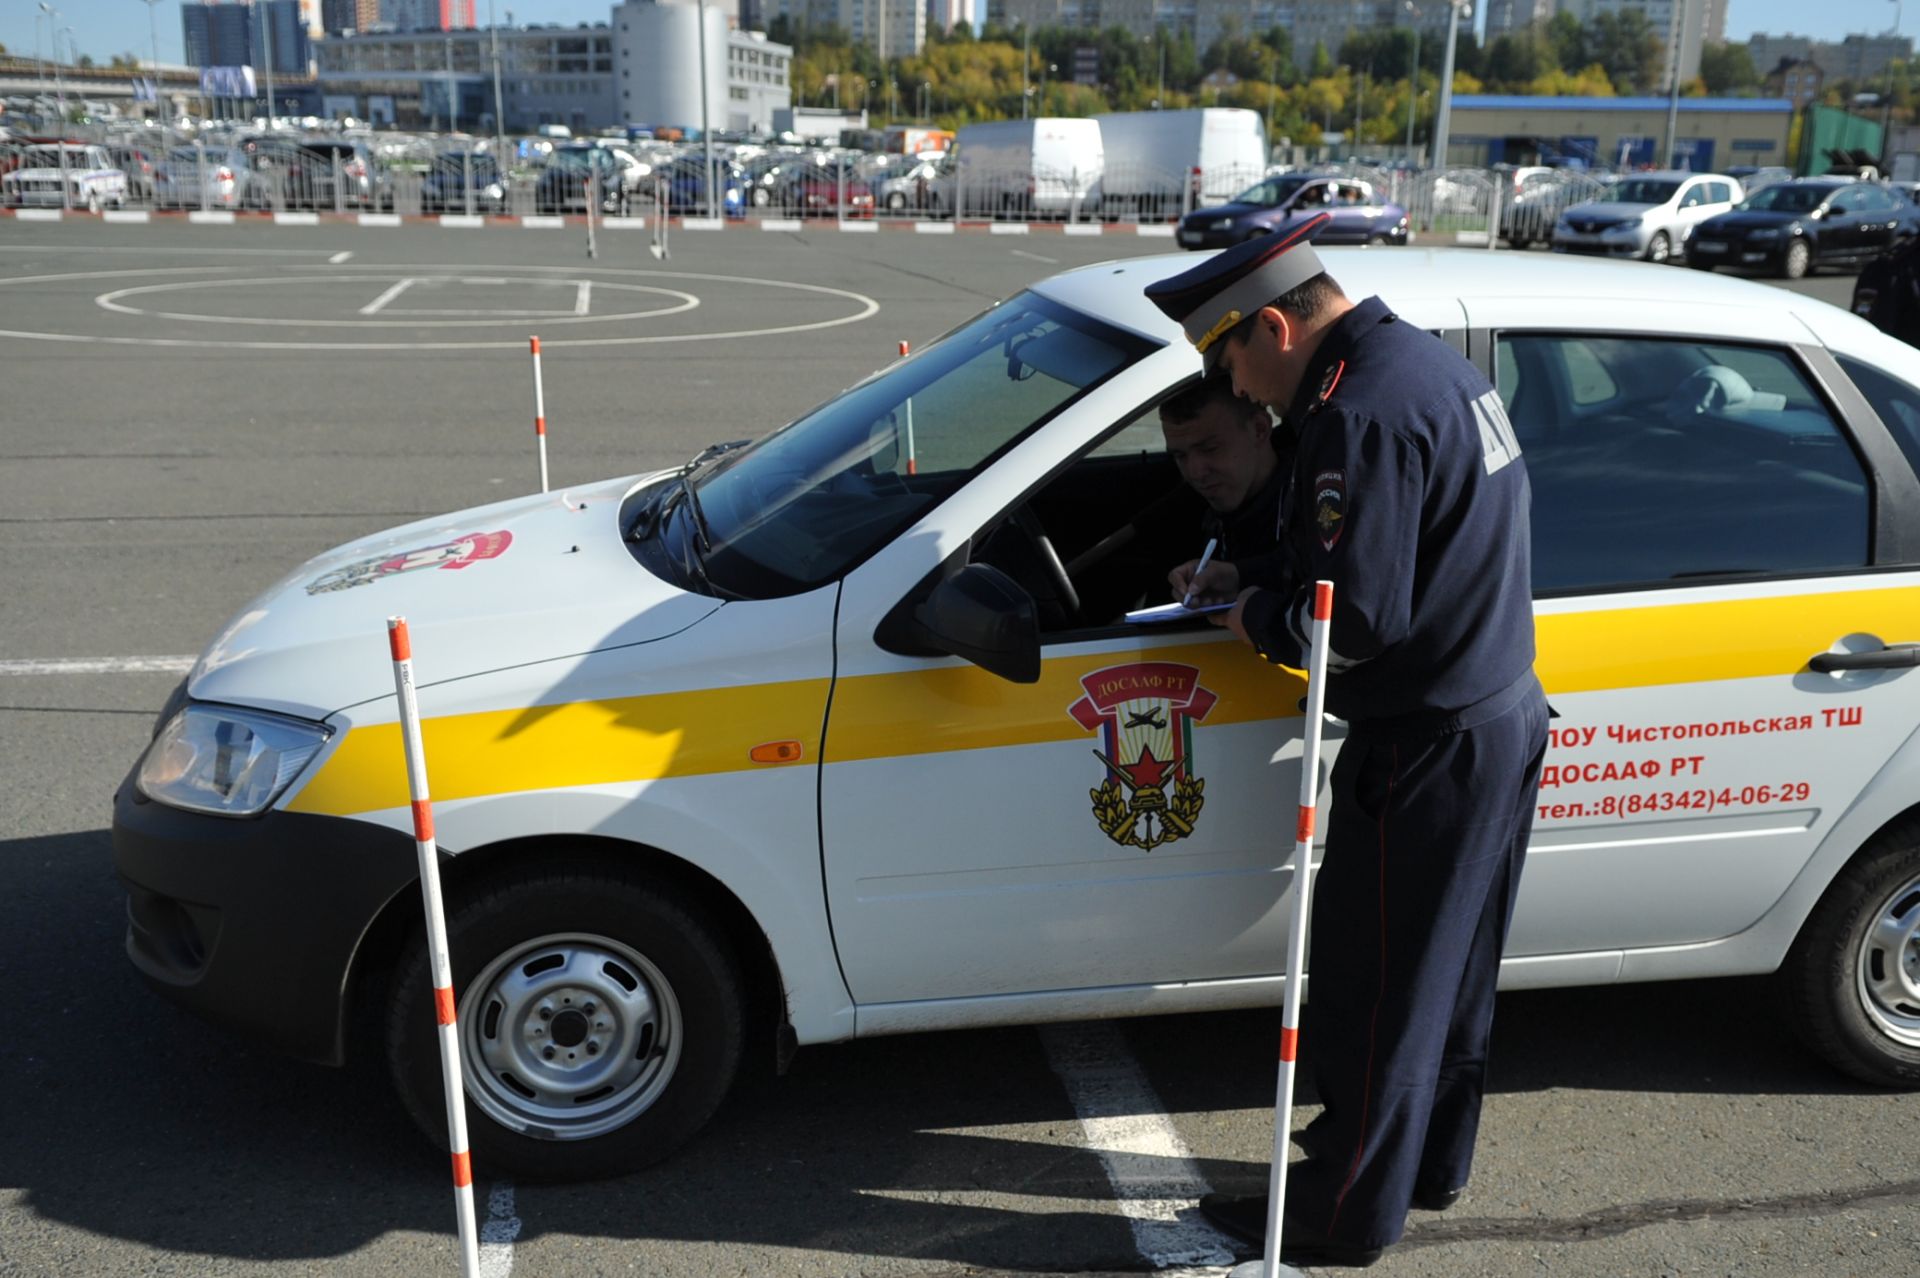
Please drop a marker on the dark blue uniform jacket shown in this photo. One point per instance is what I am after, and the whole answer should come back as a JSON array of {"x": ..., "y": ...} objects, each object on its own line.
[{"x": 1409, "y": 494}]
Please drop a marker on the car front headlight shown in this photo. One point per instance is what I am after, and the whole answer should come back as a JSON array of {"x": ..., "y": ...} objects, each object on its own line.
[
  {"x": 227, "y": 762},
  {"x": 1626, "y": 224}
]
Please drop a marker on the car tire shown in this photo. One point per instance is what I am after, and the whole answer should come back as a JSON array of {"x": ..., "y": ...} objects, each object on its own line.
[
  {"x": 896, "y": 201},
  {"x": 1853, "y": 976},
  {"x": 1797, "y": 260},
  {"x": 629, "y": 982},
  {"x": 1660, "y": 247}
]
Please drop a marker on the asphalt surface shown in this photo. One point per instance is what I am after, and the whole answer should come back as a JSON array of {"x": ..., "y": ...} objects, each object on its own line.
[{"x": 152, "y": 482}]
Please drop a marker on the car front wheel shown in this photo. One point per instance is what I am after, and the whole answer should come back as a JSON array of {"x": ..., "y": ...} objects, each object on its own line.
[
  {"x": 1797, "y": 259},
  {"x": 1853, "y": 977},
  {"x": 1660, "y": 247},
  {"x": 599, "y": 1022}
]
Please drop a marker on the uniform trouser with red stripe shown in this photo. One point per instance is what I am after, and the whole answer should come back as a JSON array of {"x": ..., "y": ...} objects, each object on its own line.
[{"x": 1410, "y": 915}]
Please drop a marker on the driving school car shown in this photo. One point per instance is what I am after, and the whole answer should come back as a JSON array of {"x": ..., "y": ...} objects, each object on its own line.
[{"x": 842, "y": 732}]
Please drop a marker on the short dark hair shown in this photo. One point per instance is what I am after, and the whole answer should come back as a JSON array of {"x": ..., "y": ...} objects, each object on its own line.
[
  {"x": 1187, "y": 403},
  {"x": 1309, "y": 299}
]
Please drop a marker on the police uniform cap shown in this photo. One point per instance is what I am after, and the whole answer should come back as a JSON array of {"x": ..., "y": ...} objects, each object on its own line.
[{"x": 1210, "y": 300}]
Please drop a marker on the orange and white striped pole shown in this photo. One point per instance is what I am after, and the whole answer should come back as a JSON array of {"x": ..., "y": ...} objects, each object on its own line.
[
  {"x": 913, "y": 462},
  {"x": 540, "y": 414},
  {"x": 441, "y": 966},
  {"x": 1270, "y": 1266}
]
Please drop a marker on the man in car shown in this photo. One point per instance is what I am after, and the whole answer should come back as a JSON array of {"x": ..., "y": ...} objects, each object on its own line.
[
  {"x": 1410, "y": 495},
  {"x": 1226, "y": 449}
]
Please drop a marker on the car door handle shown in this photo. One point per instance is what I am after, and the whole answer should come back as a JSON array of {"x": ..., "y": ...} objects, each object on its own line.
[{"x": 1895, "y": 656}]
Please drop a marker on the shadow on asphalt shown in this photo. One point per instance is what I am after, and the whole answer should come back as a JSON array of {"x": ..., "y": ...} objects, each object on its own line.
[{"x": 129, "y": 1119}]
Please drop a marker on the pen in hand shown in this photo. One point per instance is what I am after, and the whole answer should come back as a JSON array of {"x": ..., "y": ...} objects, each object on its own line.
[{"x": 1213, "y": 544}]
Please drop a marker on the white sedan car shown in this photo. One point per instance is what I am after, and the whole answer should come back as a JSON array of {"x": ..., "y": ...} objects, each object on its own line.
[
  {"x": 842, "y": 732},
  {"x": 1646, "y": 215}
]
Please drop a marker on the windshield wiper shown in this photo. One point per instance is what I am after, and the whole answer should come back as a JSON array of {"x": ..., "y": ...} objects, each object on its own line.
[{"x": 691, "y": 498}]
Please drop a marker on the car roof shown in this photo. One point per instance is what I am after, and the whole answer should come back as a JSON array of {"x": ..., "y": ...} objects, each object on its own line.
[{"x": 1440, "y": 287}]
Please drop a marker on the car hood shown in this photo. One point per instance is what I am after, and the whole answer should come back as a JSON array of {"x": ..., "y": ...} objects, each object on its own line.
[
  {"x": 509, "y": 584},
  {"x": 1749, "y": 220},
  {"x": 1609, "y": 211}
]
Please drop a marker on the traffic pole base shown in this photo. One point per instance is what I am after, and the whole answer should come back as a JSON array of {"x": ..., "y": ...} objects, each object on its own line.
[{"x": 1258, "y": 1269}]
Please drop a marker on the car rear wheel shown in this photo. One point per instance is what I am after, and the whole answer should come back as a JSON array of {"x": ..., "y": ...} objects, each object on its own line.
[
  {"x": 896, "y": 201},
  {"x": 1660, "y": 247},
  {"x": 600, "y": 1023},
  {"x": 1853, "y": 976},
  {"x": 1797, "y": 259}
]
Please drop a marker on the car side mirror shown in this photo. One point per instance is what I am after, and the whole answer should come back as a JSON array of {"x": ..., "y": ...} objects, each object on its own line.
[{"x": 978, "y": 614}]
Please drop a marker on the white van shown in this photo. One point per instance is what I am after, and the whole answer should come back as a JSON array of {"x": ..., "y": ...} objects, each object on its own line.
[
  {"x": 1049, "y": 166},
  {"x": 1164, "y": 163}
]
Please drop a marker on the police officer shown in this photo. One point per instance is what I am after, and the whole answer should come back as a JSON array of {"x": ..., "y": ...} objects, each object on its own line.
[
  {"x": 1226, "y": 449},
  {"x": 1408, "y": 493}
]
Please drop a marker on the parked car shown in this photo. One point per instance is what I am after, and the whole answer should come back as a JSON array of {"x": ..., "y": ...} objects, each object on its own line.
[
  {"x": 687, "y": 188},
  {"x": 1047, "y": 166},
  {"x": 216, "y": 178},
  {"x": 659, "y": 847},
  {"x": 335, "y": 174},
  {"x": 1793, "y": 227},
  {"x": 1647, "y": 215},
  {"x": 912, "y": 182},
  {"x": 138, "y": 165},
  {"x": 469, "y": 181},
  {"x": 572, "y": 172},
  {"x": 1528, "y": 216},
  {"x": 1360, "y": 216},
  {"x": 64, "y": 175},
  {"x": 1753, "y": 177},
  {"x": 827, "y": 191}
]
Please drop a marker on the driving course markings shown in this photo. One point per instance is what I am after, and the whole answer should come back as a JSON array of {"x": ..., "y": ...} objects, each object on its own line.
[
  {"x": 95, "y": 665},
  {"x": 867, "y": 307}
]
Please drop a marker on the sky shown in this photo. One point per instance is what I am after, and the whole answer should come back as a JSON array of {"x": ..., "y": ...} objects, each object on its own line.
[{"x": 103, "y": 28}]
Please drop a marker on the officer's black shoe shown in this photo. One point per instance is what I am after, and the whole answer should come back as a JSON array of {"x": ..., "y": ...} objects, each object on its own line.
[
  {"x": 1244, "y": 1216},
  {"x": 1435, "y": 1199}
]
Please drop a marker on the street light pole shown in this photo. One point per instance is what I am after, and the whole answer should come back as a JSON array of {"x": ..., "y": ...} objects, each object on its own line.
[
  {"x": 1673, "y": 84},
  {"x": 53, "y": 38},
  {"x": 153, "y": 34},
  {"x": 1413, "y": 75},
  {"x": 1026, "y": 57},
  {"x": 499, "y": 113},
  {"x": 714, "y": 208},
  {"x": 1443, "y": 116},
  {"x": 266, "y": 33}
]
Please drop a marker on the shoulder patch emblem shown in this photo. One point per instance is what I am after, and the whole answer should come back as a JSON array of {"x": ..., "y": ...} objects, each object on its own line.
[{"x": 1330, "y": 506}]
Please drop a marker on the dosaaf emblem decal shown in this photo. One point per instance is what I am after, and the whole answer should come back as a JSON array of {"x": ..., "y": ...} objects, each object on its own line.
[
  {"x": 457, "y": 553},
  {"x": 1145, "y": 714},
  {"x": 1330, "y": 506}
]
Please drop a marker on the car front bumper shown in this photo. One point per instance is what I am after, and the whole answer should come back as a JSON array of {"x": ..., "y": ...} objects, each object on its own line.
[
  {"x": 255, "y": 925},
  {"x": 1765, "y": 255},
  {"x": 1601, "y": 244}
]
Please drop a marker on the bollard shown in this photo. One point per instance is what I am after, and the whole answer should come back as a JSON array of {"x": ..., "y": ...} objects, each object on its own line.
[
  {"x": 401, "y": 646},
  {"x": 1269, "y": 1266},
  {"x": 913, "y": 464},
  {"x": 540, "y": 414}
]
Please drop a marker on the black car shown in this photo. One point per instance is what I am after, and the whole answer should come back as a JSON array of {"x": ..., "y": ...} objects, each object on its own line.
[
  {"x": 464, "y": 183},
  {"x": 1794, "y": 227},
  {"x": 571, "y": 173},
  {"x": 1278, "y": 204},
  {"x": 330, "y": 174}
]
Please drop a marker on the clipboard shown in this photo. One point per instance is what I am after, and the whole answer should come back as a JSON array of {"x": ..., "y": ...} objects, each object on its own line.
[{"x": 1173, "y": 612}]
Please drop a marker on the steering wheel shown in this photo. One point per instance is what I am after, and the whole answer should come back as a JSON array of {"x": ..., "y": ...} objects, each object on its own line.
[{"x": 1030, "y": 527}]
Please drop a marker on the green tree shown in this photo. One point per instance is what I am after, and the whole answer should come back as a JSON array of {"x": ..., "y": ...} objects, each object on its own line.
[
  {"x": 1628, "y": 47},
  {"x": 1568, "y": 40},
  {"x": 1514, "y": 61},
  {"x": 1322, "y": 64},
  {"x": 1727, "y": 68}
]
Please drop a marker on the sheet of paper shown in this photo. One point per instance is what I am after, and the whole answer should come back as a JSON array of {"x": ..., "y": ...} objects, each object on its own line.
[{"x": 1173, "y": 612}]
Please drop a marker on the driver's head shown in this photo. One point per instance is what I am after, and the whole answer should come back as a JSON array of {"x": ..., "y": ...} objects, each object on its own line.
[{"x": 1223, "y": 444}]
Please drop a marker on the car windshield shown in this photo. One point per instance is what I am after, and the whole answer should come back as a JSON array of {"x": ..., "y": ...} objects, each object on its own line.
[
  {"x": 807, "y": 503},
  {"x": 1788, "y": 198},
  {"x": 1270, "y": 192},
  {"x": 1640, "y": 191},
  {"x": 481, "y": 166},
  {"x": 49, "y": 157}
]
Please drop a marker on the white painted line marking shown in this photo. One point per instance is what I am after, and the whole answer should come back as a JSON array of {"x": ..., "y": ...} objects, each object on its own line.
[
  {"x": 564, "y": 315},
  {"x": 1038, "y": 257},
  {"x": 1084, "y": 228},
  {"x": 701, "y": 224},
  {"x": 933, "y": 228},
  {"x": 1469, "y": 237},
  {"x": 498, "y": 1232},
  {"x": 583, "y": 298},
  {"x": 379, "y": 303},
  {"x": 172, "y": 250},
  {"x": 545, "y": 223},
  {"x": 1154, "y": 232},
  {"x": 338, "y": 258},
  {"x": 379, "y": 219},
  {"x": 1152, "y": 1174},
  {"x": 861, "y": 228},
  {"x": 1008, "y": 228},
  {"x": 463, "y": 221},
  {"x": 96, "y": 665},
  {"x": 36, "y": 215},
  {"x": 126, "y": 215},
  {"x": 296, "y": 219},
  {"x": 210, "y": 217},
  {"x": 779, "y": 223}
]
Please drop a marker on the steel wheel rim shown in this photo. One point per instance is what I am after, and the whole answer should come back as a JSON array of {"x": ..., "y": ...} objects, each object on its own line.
[
  {"x": 569, "y": 1036},
  {"x": 1887, "y": 966}
]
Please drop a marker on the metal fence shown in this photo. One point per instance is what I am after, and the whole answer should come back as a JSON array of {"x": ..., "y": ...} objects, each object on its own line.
[{"x": 248, "y": 170}]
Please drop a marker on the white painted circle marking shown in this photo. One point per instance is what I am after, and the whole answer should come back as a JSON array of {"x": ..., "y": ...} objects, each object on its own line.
[
  {"x": 111, "y": 302},
  {"x": 868, "y": 307}
]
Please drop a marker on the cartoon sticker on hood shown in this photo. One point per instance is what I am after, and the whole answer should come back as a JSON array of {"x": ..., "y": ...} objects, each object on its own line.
[{"x": 458, "y": 553}]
